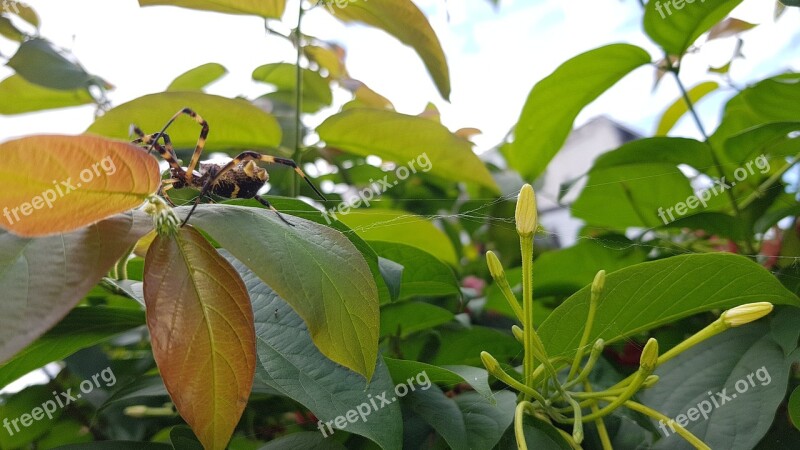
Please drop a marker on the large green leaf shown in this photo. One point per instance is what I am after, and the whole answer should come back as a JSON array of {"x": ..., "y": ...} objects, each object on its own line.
[
  {"x": 272, "y": 9},
  {"x": 307, "y": 440},
  {"x": 675, "y": 30},
  {"x": 403, "y": 20},
  {"x": 289, "y": 362},
  {"x": 423, "y": 274},
  {"x": 648, "y": 295},
  {"x": 745, "y": 369},
  {"x": 679, "y": 108},
  {"x": 666, "y": 150},
  {"x": 402, "y": 228},
  {"x": 468, "y": 421},
  {"x": 21, "y": 96},
  {"x": 405, "y": 140},
  {"x": 198, "y": 78},
  {"x": 454, "y": 345},
  {"x": 407, "y": 318},
  {"x": 555, "y": 102},
  {"x": 17, "y": 435},
  {"x": 81, "y": 328},
  {"x": 447, "y": 376},
  {"x": 43, "y": 279},
  {"x": 233, "y": 123},
  {"x": 315, "y": 269}
]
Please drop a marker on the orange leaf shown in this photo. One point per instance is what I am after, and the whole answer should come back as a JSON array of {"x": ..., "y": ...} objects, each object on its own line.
[
  {"x": 57, "y": 184},
  {"x": 202, "y": 331}
]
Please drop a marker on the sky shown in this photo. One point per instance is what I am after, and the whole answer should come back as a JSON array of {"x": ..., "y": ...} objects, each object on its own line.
[{"x": 495, "y": 57}]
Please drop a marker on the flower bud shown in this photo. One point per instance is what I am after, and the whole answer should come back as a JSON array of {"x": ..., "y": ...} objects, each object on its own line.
[
  {"x": 136, "y": 411},
  {"x": 650, "y": 381},
  {"x": 491, "y": 364},
  {"x": 745, "y": 314},
  {"x": 599, "y": 283},
  {"x": 526, "y": 215},
  {"x": 649, "y": 359},
  {"x": 495, "y": 268},
  {"x": 518, "y": 333}
]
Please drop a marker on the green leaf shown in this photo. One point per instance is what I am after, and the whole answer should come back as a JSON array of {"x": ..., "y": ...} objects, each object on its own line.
[
  {"x": 315, "y": 269},
  {"x": 316, "y": 90},
  {"x": 233, "y": 123},
  {"x": 461, "y": 346},
  {"x": 406, "y": 140},
  {"x": 182, "y": 438},
  {"x": 201, "y": 327},
  {"x": 423, "y": 274},
  {"x": 21, "y": 96},
  {"x": 745, "y": 369},
  {"x": 468, "y": 420},
  {"x": 82, "y": 328},
  {"x": 403, "y": 20},
  {"x": 794, "y": 407},
  {"x": 713, "y": 223},
  {"x": 555, "y": 102},
  {"x": 118, "y": 445},
  {"x": 198, "y": 78},
  {"x": 291, "y": 364},
  {"x": 645, "y": 296},
  {"x": 679, "y": 108},
  {"x": 272, "y": 9},
  {"x": 40, "y": 63},
  {"x": 408, "y": 318},
  {"x": 392, "y": 274},
  {"x": 400, "y": 227},
  {"x": 144, "y": 388},
  {"x": 778, "y": 139},
  {"x": 775, "y": 99},
  {"x": 675, "y": 30},
  {"x": 20, "y": 406},
  {"x": 666, "y": 150},
  {"x": 447, "y": 376},
  {"x": 306, "y": 440},
  {"x": 9, "y": 31},
  {"x": 539, "y": 434},
  {"x": 66, "y": 268}
]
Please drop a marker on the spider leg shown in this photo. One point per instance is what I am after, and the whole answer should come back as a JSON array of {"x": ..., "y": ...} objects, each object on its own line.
[
  {"x": 266, "y": 203},
  {"x": 201, "y": 141},
  {"x": 167, "y": 153},
  {"x": 165, "y": 186},
  {"x": 269, "y": 159}
]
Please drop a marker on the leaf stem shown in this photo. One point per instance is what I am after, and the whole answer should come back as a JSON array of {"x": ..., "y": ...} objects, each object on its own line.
[{"x": 298, "y": 122}]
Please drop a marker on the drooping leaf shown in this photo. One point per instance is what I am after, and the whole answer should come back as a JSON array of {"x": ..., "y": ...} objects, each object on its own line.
[
  {"x": 198, "y": 78},
  {"x": 25, "y": 12},
  {"x": 647, "y": 295},
  {"x": 403, "y": 20},
  {"x": 555, "y": 102},
  {"x": 201, "y": 328},
  {"x": 289, "y": 362},
  {"x": 21, "y": 96},
  {"x": 423, "y": 275},
  {"x": 233, "y": 124},
  {"x": 400, "y": 227},
  {"x": 81, "y": 328},
  {"x": 392, "y": 273},
  {"x": 679, "y": 108},
  {"x": 675, "y": 30},
  {"x": 307, "y": 440},
  {"x": 744, "y": 369},
  {"x": 468, "y": 420},
  {"x": 729, "y": 27},
  {"x": 88, "y": 178},
  {"x": 315, "y": 269},
  {"x": 406, "y": 140},
  {"x": 40, "y": 63},
  {"x": 272, "y": 9},
  {"x": 43, "y": 279}
]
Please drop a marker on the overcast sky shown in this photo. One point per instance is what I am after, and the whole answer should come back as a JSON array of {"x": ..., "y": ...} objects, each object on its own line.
[{"x": 495, "y": 56}]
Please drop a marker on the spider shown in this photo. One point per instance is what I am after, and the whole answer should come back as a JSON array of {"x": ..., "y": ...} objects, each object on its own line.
[{"x": 239, "y": 178}]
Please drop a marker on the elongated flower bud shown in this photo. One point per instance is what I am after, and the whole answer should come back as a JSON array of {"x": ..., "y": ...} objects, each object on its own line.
[
  {"x": 599, "y": 283},
  {"x": 491, "y": 364},
  {"x": 745, "y": 314},
  {"x": 526, "y": 215},
  {"x": 649, "y": 359},
  {"x": 518, "y": 333},
  {"x": 650, "y": 381},
  {"x": 495, "y": 267}
]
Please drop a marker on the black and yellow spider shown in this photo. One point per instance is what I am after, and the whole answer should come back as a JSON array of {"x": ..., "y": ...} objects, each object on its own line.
[{"x": 239, "y": 178}]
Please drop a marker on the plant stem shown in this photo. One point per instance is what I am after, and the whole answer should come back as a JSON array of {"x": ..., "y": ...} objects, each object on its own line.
[
  {"x": 526, "y": 244},
  {"x": 599, "y": 423},
  {"x": 298, "y": 122},
  {"x": 683, "y": 432}
]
